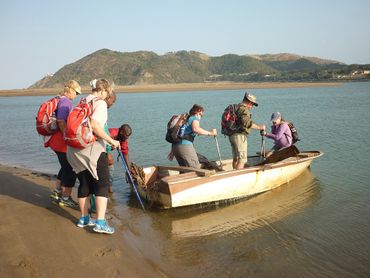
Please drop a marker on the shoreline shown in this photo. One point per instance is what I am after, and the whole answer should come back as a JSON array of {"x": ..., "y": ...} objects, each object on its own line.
[
  {"x": 40, "y": 239},
  {"x": 176, "y": 87}
]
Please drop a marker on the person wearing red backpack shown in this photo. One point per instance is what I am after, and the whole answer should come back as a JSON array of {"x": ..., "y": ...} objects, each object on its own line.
[
  {"x": 91, "y": 163},
  {"x": 238, "y": 140},
  {"x": 66, "y": 178}
]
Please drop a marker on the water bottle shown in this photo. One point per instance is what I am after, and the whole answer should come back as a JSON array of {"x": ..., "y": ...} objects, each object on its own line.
[{"x": 182, "y": 131}]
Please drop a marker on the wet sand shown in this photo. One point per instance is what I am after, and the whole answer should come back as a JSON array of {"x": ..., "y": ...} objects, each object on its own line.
[
  {"x": 176, "y": 87},
  {"x": 40, "y": 239}
]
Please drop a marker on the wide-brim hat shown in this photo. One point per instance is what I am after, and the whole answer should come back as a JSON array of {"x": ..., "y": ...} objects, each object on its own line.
[{"x": 251, "y": 98}]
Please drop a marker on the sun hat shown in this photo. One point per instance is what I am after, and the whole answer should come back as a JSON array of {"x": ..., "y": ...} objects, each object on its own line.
[
  {"x": 275, "y": 116},
  {"x": 72, "y": 84},
  {"x": 251, "y": 98}
]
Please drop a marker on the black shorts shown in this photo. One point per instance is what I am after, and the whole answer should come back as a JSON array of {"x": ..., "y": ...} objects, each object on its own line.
[
  {"x": 66, "y": 174},
  {"x": 89, "y": 185}
]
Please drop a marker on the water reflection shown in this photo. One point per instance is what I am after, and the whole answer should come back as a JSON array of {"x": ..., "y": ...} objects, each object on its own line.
[
  {"x": 235, "y": 218},
  {"x": 250, "y": 214}
]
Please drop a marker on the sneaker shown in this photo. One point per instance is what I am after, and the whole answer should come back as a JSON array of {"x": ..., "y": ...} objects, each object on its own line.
[
  {"x": 56, "y": 194},
  {"x": 85, "y": 221},
  {"x": 67, "y": 202},
  {"x": 103, "y": 228}
]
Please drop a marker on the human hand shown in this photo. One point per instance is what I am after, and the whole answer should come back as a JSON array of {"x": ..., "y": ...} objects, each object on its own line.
[
  {"x": 263, "y": 133},
  {"x": 213, "y": 132},
  {"x": 116, "y": 144},
  {"x": 170, "y": 156}
]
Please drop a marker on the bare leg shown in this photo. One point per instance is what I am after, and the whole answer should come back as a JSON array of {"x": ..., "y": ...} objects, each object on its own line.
[
  {"x": 66, "y": 191},
  {"x": 101, "y": 206},
  {"x": 58, "y": 184},
  {"x": 239, "y": 165},
  {"x": 84, "y": 205}
]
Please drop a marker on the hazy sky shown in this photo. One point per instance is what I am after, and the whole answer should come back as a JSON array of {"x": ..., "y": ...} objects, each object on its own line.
[{"x": 40, "y": 37}]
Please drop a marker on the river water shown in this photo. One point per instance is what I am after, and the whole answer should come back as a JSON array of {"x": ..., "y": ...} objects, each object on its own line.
[{"x": 316, "y": 226}]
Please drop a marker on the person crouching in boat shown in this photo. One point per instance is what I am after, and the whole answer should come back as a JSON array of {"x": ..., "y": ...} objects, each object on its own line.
[
  {"x": 280, "y": 133},
  {"x": 184, "y": 150}
]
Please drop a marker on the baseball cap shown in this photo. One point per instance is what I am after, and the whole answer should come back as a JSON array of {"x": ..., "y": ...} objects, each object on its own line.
[{"x": 275, "y": 116}]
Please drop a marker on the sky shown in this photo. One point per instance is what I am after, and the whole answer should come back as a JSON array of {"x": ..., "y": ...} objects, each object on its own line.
[{"x": 38, "y": 37}]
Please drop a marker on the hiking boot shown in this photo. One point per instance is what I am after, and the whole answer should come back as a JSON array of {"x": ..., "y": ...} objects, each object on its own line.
[
  {"x": 103, "y": 228},
  {"x": 56, "y": 194},
  {"x": 85, "y": 221},
  {"x": 68, "y": 202}
]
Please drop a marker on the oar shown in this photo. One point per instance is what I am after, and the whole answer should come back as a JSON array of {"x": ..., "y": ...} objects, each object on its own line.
[
  {"x": 130, "y": 178},
  {"x": 218, "y": 151}
]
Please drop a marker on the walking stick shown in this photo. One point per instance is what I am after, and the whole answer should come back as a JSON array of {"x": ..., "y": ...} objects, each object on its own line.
[
  {"x": 130, "y": 178},
  {"x": 218, "y": 151},
  {"x": 263, "y": 150}
]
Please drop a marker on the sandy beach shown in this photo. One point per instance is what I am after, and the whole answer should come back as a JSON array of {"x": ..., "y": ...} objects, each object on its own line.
[
  {"x": 176, "y": 87},
  {"x": 40, "y": 239}
]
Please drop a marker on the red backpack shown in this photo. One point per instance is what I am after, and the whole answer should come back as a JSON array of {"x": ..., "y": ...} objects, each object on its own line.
[
  {"x": 79, "y": 133},
  {"x": 46, "y": 122},
  {"x": 229, "y": 117}
]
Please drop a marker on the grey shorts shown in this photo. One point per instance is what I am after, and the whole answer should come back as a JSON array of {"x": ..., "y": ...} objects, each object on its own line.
[
  {"x": 186, "y": 155},
  {"x": 239, "y": 146}
]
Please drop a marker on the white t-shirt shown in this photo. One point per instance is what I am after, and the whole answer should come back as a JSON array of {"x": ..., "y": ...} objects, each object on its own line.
[{"x": 100, "y": 110}]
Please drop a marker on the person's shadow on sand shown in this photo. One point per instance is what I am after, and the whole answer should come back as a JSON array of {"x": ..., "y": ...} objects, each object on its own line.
[{"x": 27, "y": 191}]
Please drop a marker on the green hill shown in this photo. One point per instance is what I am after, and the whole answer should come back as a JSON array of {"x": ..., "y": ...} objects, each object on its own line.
[{"x": 145, "y": 67}]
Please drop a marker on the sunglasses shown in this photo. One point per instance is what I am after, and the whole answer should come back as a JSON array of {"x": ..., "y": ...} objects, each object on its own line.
[{"x": 77, "y": 93}]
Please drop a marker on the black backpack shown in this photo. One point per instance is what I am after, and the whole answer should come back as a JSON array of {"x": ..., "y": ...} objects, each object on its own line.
[
  {"x": 229, "y": 117},
  {"x": 294, "y": 131},
  {"x": 175, "y": 126}
]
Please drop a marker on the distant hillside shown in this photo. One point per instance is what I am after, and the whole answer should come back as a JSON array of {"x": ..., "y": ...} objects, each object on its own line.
[
  {"x": 286, "y": 57},
  {"x": 145, "y": 68}
]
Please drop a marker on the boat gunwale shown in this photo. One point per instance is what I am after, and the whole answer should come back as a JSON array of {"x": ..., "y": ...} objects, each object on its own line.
[{"x": 251, "y": 169}]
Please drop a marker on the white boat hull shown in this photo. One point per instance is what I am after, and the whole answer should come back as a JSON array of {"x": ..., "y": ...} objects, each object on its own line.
[
  {"x": 192, "y": 189},
  {"x": 239, "y": 186}
]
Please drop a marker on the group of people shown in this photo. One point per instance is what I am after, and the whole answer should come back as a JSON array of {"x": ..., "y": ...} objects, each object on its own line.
[
  {"x": 92, "y": 165},
  {"x": 184, "y": 150}
]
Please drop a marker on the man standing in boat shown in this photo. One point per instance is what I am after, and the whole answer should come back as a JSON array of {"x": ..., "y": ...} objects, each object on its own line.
[{"x": 238, "y": 139}]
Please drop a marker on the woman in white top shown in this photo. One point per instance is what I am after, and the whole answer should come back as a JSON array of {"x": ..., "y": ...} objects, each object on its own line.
[{"x": 91, "y": 163}]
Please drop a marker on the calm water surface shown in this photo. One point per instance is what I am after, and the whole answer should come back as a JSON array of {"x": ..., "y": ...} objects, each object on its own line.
[{"x": 316, "y": 226}]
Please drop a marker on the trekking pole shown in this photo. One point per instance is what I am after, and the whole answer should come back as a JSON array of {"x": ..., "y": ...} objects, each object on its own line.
[
  {"x": 130, "y": 178},
  {"x": 218, "y": 151},
  {"x": 263, "y": 151}
]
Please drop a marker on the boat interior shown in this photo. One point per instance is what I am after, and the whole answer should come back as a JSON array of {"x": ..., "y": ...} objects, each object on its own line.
[{"x": 209, "y": 168}]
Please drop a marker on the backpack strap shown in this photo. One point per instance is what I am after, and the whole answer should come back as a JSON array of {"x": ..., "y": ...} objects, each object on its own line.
[
  {"x": 188, "y": 136},
  {"x": 287, "y": 135},
  {"x": 92, "y": 101}
]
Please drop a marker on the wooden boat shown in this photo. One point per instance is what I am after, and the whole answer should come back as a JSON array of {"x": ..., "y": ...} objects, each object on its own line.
[{"x": 176, "y": 186}]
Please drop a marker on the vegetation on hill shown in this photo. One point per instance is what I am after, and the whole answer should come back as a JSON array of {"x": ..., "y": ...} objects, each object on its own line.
[{"x": 145, "y": 67}]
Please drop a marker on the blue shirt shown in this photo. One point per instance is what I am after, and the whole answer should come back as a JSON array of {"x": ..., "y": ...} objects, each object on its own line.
[{"x": 189, "y": 130}]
